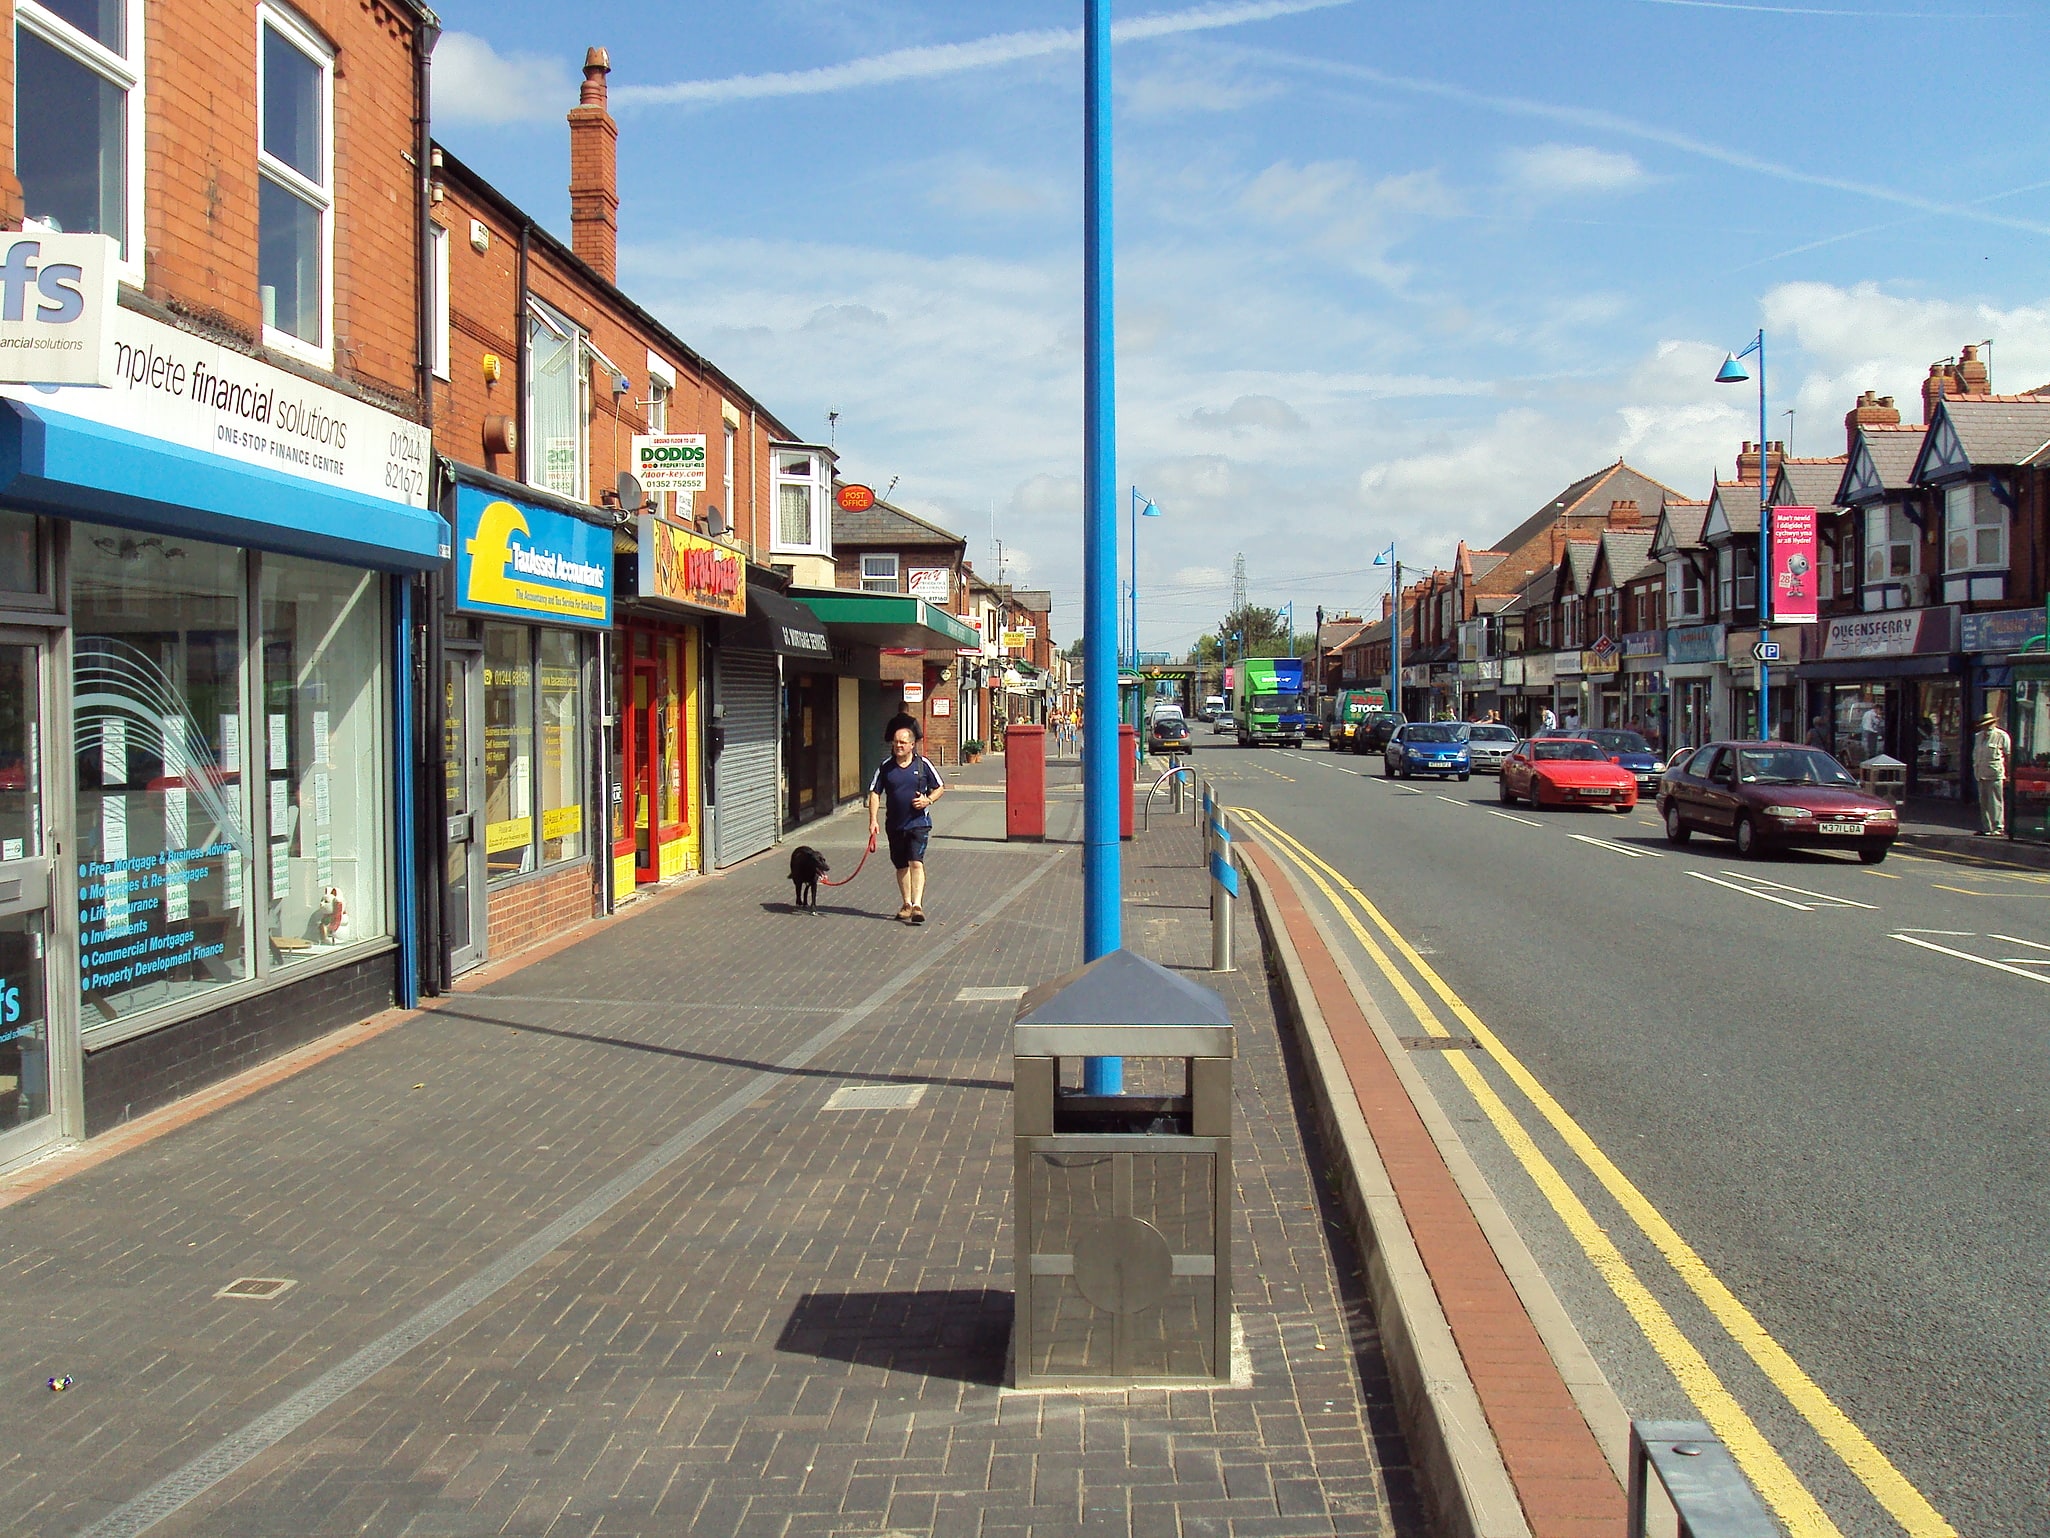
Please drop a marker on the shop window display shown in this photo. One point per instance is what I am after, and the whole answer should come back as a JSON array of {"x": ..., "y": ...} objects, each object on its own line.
[
  {"x": 323, "y": 743},
  {"x": 562, "y": 748},
  {"x": 508, "y": 750},
  {"x": 1939, "y": 733},
  {"x": 164, "y": 846},
  {"x": 2028, "y": 792}
]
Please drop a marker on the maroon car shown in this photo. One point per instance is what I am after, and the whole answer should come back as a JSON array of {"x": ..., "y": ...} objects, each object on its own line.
[{"x": 1775, "y": 795}]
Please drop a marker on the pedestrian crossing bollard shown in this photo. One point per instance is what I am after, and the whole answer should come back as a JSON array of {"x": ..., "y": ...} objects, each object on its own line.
[{"x": 1224, "y": 885}]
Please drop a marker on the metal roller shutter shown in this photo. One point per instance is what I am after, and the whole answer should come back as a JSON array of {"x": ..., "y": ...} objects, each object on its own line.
[{"x": 744, "y": 776}]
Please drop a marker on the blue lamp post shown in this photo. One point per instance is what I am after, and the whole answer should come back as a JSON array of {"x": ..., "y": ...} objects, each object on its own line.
[
  {"x": 1388, "y": 559},
  {"x": 1732, "y": 372},
  {"x": 1141, "y": 507}
]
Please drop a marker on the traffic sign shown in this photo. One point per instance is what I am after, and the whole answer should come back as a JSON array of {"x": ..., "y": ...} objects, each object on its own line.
[{"x": 1765, "y": 651}]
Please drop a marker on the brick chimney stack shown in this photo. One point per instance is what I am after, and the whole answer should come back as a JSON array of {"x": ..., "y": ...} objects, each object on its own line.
[
  {"x": 1747, "y": 462},
  {"x": 1872, "y": 410},
  {"x": 1973, "y": 376},
  {"x": 594, "y": 172},
  {"x": 1624, "y": 513}
]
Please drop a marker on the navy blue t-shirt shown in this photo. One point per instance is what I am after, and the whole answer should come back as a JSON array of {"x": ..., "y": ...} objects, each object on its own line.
[{"x": 898, "y": 786}]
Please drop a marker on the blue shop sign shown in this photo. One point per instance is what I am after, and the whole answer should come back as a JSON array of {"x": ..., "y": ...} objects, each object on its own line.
[
  {"x": 1695, "y": 643},
  {"x": 528, "y": 562},
  {"x": 2000, "y": 633}
]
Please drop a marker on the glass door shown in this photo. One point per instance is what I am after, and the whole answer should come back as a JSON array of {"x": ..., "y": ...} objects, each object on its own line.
[
  {"x": 26, "y": 1102},
  {"x": 646, "y": 771},
  {"x": 463, "y": 735}
]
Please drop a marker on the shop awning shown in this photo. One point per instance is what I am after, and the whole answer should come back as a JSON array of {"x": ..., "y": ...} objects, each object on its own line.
[
  {"x": 775, "y": 623},
  {"x": 55, "y": 463},
  {"x": 888, "y": 619}
]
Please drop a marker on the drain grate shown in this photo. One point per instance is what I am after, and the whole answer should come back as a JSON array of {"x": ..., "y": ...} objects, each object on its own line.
[
  {"x": 990, "y": 995},
  {"x": 258, "y": 1289},
  {"x": 1441, "y": 1044},
  {"x": 875, "y": 1097}
]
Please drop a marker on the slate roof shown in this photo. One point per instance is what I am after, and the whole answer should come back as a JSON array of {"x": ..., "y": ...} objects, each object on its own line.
[
  {"x": 1336, "y": 632},
  {"x": 1999, "y": 430},
  {"x": 1893, "y": 451},
  {"x": 1809, "y": 483},
  {"x": 885, "y": 527},
  {"x": 1629, "y": 555},
  {"x": 1591, "y": 494},
  {"x": 1579, "y": 562},
  {"x": 1684, "y": 521},
  {"x": 1739, "y": 501}
]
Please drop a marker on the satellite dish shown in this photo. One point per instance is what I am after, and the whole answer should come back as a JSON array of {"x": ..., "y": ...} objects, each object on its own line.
[
  {"x": 631, "y": 498},
  {"x": 715, "y": 521}
]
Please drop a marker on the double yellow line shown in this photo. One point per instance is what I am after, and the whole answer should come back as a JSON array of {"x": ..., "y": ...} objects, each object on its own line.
[{"x": 1760, "y": 1460}]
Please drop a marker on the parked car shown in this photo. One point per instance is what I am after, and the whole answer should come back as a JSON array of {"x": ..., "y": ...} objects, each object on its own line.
[
  {"x": 1426, "y": 747},
  {"x": 1774, "y": 795},
  {"x": 1373, "y": 734},
  {"x": 1169, "y": 733},
  {"x": 1566, "y": 771},
  {"x": 1222, "y": 725},
  {"x": 1624, "y": 747},
  {"x": 1489, "y": 743}
]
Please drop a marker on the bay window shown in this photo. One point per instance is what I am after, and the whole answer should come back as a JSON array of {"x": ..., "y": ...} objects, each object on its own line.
[
  {"x": 1974, "y": 529},
  {"x": 1892, "y": 555},
  {"x": 1687, "y": 598}
]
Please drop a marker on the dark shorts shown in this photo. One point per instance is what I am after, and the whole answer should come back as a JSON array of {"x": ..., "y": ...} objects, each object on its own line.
[{"x": 907, "y": 845}]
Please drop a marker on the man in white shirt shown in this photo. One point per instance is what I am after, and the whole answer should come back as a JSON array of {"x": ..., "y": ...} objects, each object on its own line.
[{"x": 1991, "y": 750}]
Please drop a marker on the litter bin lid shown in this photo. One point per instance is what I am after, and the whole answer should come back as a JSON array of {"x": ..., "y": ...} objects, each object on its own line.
[{"x": 1122, "y": 1005}]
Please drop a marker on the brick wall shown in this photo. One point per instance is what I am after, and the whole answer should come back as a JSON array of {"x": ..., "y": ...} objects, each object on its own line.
[
  {"x": 526, "y": 912},
  {"x": 138, "y": 1075}
]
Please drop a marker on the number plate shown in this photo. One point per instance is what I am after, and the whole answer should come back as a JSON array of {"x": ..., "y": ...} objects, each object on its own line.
[
  {"x": 1593, "y": 791},
  {"x": 1843, "y": 827}
]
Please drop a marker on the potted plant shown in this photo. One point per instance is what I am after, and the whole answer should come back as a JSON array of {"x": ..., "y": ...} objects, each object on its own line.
[{"x": 971, "y": 751}]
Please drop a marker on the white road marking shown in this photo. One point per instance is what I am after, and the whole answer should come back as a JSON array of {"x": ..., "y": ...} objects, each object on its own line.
[
  {"x": 1407, "y": 790},
  {"x": 1998, "y": 966},
  {"x": 1745, "y": 875},
  {"x": 1750, "y": 891},
  {"x": 1450, "y": 802},
  {"x": 2027, "y": 961},
  {"x": 1511, "y": 816},
  {"x": 1956, "y": 934},
  {"x": 2034, "y": 945},
  {"x": 1613, "y": 848}
]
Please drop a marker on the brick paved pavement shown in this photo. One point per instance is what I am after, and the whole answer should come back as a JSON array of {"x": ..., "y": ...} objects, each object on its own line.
[{"x": 796, "y": 1324}]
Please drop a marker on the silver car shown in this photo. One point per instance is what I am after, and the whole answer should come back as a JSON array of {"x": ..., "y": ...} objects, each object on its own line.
[{"x": 1488, "y": 743}]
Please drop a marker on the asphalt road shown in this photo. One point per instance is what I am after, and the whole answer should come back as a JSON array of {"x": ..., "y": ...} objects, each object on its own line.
[{"x": 1845, "y": 1124}]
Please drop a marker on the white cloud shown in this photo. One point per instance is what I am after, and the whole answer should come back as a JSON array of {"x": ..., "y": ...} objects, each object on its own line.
[
  {"x": 1249, "y": 413},
  {"x": 475, "y": 83},
  {"x": 1570, "y": 170},
  {"x": 1184, "y": 86}
]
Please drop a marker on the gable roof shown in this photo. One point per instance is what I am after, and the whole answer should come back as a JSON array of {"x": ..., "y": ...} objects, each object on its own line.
[
  {"x": 1809, "y": 483},
  {"x": 1982, "y": 433},
  {"x": 1732, "y": 511},
  {"x": 1881, "y": 460},
  {"x": 1578, "y": 564},
  {"x": 886, "y": 525},
  {"x": 1678, "y": 528},
  {"x": 1626, "y": 553},
  {"x": 1591, "y": 494}
]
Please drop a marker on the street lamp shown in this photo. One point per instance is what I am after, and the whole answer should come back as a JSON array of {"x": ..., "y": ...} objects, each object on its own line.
[
  {"x": 1387, "y": 558},
  {"x": 1141, "y": 507},
  {"x": 1732, "y": 372}
]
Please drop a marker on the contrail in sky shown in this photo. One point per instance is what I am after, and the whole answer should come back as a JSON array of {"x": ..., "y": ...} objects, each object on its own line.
[
  {"x": 953, "y": 58},
  {"x": 1596, "y": 120},
  {"x": 1816, "y": 10}
]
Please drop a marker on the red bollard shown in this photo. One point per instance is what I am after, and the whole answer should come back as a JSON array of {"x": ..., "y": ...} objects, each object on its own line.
[
  {"x": 1025, "y": 782},
  {"x": 1128, "y": 772}
]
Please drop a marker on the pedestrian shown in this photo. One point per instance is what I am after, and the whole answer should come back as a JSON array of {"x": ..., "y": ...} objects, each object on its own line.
[
  {"x": 1818, "y": 734},
  {"x": 900, "y": 799},
  {"x": 1551, "y": 720},
  {"x": 1991, "y": 750}
]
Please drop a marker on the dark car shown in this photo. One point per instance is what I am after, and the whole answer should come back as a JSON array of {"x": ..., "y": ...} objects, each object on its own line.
[
  {"x": 1774, "y": 795},
  {"x": 1169, "y": 733},
  {"x": 1624, "y": 747},
  {"x": 1373, "y": 734}
]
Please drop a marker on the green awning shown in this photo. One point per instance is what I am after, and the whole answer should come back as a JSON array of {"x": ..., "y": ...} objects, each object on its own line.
[{"x": 888, "y": 619}]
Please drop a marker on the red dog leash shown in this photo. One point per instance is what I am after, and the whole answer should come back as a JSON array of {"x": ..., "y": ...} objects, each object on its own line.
[{"x": 857, "y": 865}]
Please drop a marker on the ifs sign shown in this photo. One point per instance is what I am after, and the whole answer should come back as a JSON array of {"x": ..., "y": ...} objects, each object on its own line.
[{"x": 56, "y": 305}]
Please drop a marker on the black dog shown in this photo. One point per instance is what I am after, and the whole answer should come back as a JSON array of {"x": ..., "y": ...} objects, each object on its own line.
[{"x": 806, "y": 866}]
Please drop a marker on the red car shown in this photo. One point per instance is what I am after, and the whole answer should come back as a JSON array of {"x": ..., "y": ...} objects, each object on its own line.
[
  {"x": 1775, "y": 795},
  {"x": 1566, "y": 771}
]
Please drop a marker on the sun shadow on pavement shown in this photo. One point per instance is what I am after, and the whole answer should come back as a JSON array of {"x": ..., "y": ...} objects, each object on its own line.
[{"x": 962, "y": 1333}]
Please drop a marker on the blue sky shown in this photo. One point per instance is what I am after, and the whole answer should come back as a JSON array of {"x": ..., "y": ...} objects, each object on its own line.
[{"x": 1385, "y": 272}]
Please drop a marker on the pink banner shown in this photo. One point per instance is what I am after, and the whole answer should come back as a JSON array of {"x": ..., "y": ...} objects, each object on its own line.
[{"x": 1793, "y": 566}]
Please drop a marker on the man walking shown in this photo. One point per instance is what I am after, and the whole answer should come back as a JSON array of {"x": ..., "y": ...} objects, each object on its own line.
[
  {"x": 1991, "y": 750},
  {"x": 900, "y": 798}
]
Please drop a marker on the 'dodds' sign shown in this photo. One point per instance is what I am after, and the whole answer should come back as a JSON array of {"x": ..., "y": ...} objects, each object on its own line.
[
  {"x": 687, "y": 569},
  {"x": 669, "y": 461},
  {"x": 56, "y": 307}
]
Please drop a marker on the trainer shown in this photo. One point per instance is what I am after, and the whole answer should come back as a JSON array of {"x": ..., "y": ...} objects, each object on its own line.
[{"x": 900, "y": 797}]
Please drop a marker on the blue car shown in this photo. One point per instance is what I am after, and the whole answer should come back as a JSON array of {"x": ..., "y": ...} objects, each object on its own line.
[
  {"x": 1427, "y": 747},
  {"x": 1625, "y": 748}
]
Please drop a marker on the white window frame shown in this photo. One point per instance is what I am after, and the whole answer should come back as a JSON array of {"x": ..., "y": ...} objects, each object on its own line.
[
  {"x": 873, "y": 571},
  {"x": 1977, "y": 497},
  {"x": 818, "y": 479},
  {"x": 126, "y": 72},
  {"x": 438, "y": 249},
  {"x": 729, "y": 438},
  {"x": 304, "y": 38},
  {"x": 1887, "y": 581},
  {"x": 580, "y": 367}
]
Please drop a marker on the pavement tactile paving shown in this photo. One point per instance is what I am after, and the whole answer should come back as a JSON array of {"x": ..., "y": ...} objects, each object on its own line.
[{"x": 798, "y": 1327}]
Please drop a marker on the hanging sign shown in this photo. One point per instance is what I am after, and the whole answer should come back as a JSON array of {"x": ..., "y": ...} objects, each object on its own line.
[
  {"x": 530, "y": 562},
  {"x": 854, "y": 499},
  {"x": 932, "y": 583},
  {"x": 669, "y": 462},
  {"x": 1015, "y": 638},
  {"x": 56, "y": 308},
  {"x": 914, "y": 693},
  {"x": 1793, "y": 566},
  {"x": 681, "y": 567}
]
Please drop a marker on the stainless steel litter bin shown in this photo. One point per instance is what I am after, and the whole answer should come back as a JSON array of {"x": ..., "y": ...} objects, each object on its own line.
[{"x": 1123, "y": 1201}]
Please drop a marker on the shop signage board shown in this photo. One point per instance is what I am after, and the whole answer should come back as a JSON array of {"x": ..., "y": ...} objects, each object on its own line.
[
  {"x": 669, "y": 462},
  {"x": 1512, "y": 671},
  {"x": 57, "y": 303},
  {"x": 1610, "y": 661},
  {"x": 1793, "y": 566},
  {"x": 942, "y": 706},
  {"x": 979, "y": 647},
  {"x": 1566, "y": 664},
  {"x": 2003, "y": 633},
  {"x": 680, "y": 566},
  {"x": 932, "y": 583},
  {"x": 1537, "y": 668},
  {"x": 914, "y": 693},
  {"x": 853, "y": 498},
  {"x": 1894, "y": 633},
  {"x": 529, "y": 562},
  {"x": 1644, "y": 643},
  {"x": 171, "y": 385},
  {"x": 1694, "y": 643},
  {"x": 1014, "y": 638}
]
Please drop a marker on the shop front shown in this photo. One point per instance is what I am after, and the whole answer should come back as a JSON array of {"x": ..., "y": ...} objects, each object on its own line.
[
  {"x": 1893, "y": 683},
  {"x": 895, "y": 652},
  {"x": 1569, "y": 690},
  {"x": 1643, "y": 685},
  {"x": 1743, "y": 674},
  {"x": 2028, "y": 723},
  {"x": 206, "y": 842},
  {"x": 1694, "y": 656},
  {"x": 1601, "y": 671},
  {"x": 530, "y": 605}
]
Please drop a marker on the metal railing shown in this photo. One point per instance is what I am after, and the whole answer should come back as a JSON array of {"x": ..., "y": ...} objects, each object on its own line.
[
  {"x": 1175, "y": 773},
  {"x": 1224, "y": 875},
  {"x": 1708, "y": 1491}
]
